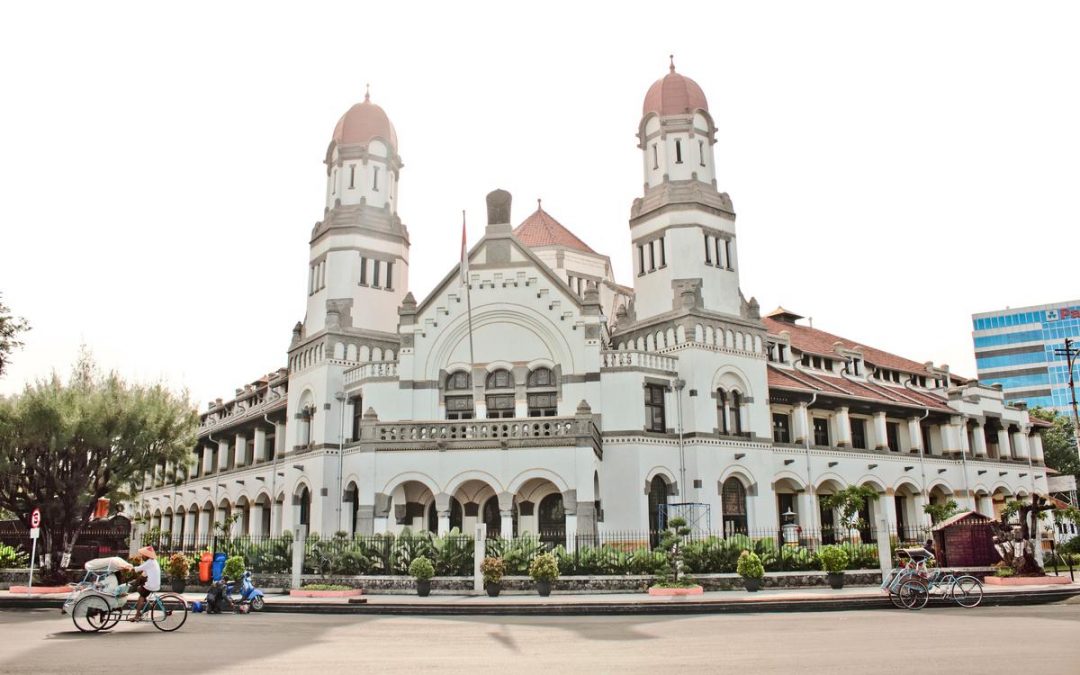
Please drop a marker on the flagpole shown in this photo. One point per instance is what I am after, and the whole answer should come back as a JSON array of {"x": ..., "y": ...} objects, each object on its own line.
[{"x": 468, "y": 292}]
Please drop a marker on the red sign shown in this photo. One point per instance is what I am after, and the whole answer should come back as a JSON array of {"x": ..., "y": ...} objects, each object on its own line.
[{"x": 35, "y": 518}]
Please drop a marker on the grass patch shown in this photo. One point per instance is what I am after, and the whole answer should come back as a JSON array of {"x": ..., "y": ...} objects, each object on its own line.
[{"x": 325, "y": 587}]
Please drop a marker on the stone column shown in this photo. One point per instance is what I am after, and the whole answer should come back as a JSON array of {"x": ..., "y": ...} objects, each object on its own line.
[
  {"x": 978, "y": 435},
  {"x": 881, "y": 436},
  {"x": 922, "y": 519},
  {"x": 260, "y": 445},
  {"x": 586, "y": 521},
  {"x": 275, "y": 519},
  {"x": 915, "y": 433},
  {"x": 1003, "y": 444},
  {"x": 442, "y": 510},
  {"x": 223, "y": 455},
  {"x": 191, "y": 527},
  {"x": 1035, "y": 442},
  {"x": 365, "y": 519},
  {"x": 208, "y": 461},
  {"x": 1020, "y": 446},
  {"x": 843, "y": 427},
  {"x": 240, "y": 451},
  {"x": 807, "y": 519},
  {"x": 885, "y": 509},
  {"x": 506, "y": 524},
  {"x": 279, "y": 440},
  {"x": 800, "y": 423},
  {"x": 203, "y": 532}
]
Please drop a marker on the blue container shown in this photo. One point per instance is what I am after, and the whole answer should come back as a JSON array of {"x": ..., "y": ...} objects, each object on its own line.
[{"x": 218, "y": 566}]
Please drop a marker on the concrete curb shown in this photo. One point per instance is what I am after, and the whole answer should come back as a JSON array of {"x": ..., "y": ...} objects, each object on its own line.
[{"x": 681, "y": 606}]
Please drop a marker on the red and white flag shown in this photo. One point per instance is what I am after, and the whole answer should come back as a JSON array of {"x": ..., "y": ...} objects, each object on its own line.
[{"x": 464, "y": 253}]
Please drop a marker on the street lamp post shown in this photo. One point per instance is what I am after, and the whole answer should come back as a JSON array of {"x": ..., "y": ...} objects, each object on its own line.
[
  {"x": 340, "y": 397},
  {"x": 1070, "y": 353}
]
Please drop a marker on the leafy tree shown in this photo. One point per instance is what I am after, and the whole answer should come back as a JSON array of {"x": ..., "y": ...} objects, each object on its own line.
[
  {"x": 10, "y": 328},
  {"x": 1059, "y": 442},
  {"x": 940, "y": 512},
  {"x": 65, "y": 445},
  {"x": 849, "y": 501}
]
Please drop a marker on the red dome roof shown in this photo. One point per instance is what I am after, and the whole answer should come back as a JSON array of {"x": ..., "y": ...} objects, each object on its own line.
[
  {"x": 674, "y": 94},
  {"x": 363, "y": 122}
]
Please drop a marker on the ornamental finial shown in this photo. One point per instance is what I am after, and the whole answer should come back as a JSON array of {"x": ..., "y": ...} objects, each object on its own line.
[
  {"x": 367, "y": 90},
  {"x": 672, "y": 66}
]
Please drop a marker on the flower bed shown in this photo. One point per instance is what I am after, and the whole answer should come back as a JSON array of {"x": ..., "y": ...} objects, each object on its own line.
[
  {"x": 41, "y": 590},
  {"x": 676, "y": 590},
  {"x": 1024, "y": 581}
]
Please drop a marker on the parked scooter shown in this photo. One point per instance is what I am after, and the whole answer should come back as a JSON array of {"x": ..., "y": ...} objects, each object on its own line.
[{"x": 248, "y": 594}]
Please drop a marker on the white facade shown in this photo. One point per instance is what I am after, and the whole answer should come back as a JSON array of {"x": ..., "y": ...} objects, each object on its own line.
[{"x": 577, "y": 405}]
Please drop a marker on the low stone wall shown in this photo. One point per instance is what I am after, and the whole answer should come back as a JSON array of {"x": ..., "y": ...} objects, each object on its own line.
[{"x": 15, "y": 577}]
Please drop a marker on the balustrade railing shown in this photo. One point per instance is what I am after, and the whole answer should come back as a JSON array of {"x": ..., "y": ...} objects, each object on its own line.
[
  {"x": 371, "y": 369},
  {"x": 632, "y": 358}
]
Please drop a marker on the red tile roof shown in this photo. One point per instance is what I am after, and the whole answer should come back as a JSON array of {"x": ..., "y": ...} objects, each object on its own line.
[
  {"x": 363, "y": 122},
  {"x": 814, "y": 341},
  {"x": 674, "y": 94},
  {"x": 783, "y": 378},
  {"x": 540, "y": 229}
]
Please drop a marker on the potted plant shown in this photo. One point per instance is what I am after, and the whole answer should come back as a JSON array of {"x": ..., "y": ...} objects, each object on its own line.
[
  {"x": 544, "y": 569},
  {"x": 178, "y": 570},
  {"x": 234, "y": 568},
  {"x": 834, "y": 560},
  {"x": 493, "y": 570},
  {"x": 422, "y": 570},
  {"x": 751, "y": 570}
]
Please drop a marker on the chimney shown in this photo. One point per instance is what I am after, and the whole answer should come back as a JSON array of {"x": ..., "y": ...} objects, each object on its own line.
[{"x": 498, "y": 211}]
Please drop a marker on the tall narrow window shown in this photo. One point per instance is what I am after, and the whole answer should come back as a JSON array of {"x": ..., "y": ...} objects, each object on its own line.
[
  {"x": 352, "y": 176},
  {"x": 701, "y": 152},
  {"x": 333, "y": 182},
  {"x": 722, "y": 410},
  {"x": 736, "y": 412},
  {"x": 374, "y": 273},
  {"x": 641, "y": 258},
  {"x": 375, "y": 179},
  {"x": 719, "y": 250},
  {"x": 821, "y": 431},
  {"x": 663, "y": 256},
  {"x": 500, "y": 394},
  {"x": 678, "y": 151},
  {"x": 858, "y": 434},
  {"x": 654, "y": 408},
  {"x": 357, "y": 416},
  {"x": 541, "y": 393},
  {"x": 727, "y": 253},
  {"x": 389, "y": 276},
  {"x": 652, "y": 257},
  {"x": 363, "y": 271},
  {"x": 781, "y": 425},
  {"x": 708, "y": 250},
  {"x": 655, "y": 157}
]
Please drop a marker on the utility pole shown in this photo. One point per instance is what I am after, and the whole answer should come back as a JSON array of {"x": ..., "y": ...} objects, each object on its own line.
[{"x": 1070, "y": 353}]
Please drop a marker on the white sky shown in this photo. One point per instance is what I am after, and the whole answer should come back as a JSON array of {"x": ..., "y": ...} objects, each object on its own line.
[{"x": 894, "y": 169}]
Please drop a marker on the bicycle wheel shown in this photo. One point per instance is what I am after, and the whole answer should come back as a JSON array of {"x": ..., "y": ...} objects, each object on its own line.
[
  {"x": 168, "y": 612},
  {"x": 914, "y": 594},
  {"x": 967, "y": 591},
  {"x": 90, "y": 614}
]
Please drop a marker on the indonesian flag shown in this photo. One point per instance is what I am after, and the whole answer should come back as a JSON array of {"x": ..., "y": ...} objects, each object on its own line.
[{"x": 464, "y": 253}]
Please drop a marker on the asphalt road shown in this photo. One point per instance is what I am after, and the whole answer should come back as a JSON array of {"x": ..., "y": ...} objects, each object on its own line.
[{"x": 1042, "y": 638}]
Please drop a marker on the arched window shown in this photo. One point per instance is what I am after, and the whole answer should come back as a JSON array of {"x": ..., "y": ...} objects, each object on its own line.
[
  {"x": 304, "y": 502},
  {"x": 500, "y": 396},
  {"x": 722, "y": 411},
  {"x": 542, "y": 396},
  {"x": 551, "y": 521},
  {"x": 733, "y": 503},
  {"x": 658, "y": 497},
  {"x": 459, "y": 400}
]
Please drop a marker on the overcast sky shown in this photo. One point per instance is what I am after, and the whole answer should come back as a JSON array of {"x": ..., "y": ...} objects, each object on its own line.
[{"x": 894, "y": 169}]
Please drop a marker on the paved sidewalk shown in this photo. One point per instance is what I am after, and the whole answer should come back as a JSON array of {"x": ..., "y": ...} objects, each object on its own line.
[{"x": 766, "y": 600}]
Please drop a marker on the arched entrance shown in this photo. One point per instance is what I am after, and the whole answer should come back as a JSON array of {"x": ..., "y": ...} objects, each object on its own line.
[
  {"x": 551, "y": 519},
  {"x": 733, "y": 506},
  {"x": 659, "y": 492}
]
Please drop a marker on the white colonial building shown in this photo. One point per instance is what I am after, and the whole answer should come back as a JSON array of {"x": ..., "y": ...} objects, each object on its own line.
[{"x": 575, "y": 404}]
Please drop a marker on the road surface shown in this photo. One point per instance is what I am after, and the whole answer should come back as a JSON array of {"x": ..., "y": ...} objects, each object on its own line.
[{"x": 1041, "y": 638}]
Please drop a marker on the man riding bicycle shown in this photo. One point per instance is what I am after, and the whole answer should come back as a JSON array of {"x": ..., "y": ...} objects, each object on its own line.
[{"x": 149, "y": 581}]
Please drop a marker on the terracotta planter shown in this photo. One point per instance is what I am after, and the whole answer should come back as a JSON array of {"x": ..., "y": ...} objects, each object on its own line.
[
  {"x": 423, "y": 587},
  {"x": 689, "y": 590},
  {"x": 493, "y": 589},
  {"x": 301, "y": 593},
  {"x": 751, "y": 585},
  {"x": 543, "y": 587},
  {"x": 836, "y": 580}
]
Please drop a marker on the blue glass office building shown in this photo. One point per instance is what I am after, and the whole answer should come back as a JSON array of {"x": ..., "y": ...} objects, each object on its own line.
[{"x": 1015, "y": 347}]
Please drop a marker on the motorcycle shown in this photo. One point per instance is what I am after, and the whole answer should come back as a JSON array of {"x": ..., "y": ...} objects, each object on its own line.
[{"x": 248, "y": 594}]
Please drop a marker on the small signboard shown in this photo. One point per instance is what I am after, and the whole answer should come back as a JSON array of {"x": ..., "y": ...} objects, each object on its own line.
[{"x": 35, "y": 532}]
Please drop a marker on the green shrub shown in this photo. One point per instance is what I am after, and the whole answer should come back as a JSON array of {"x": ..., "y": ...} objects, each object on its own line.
[
  {"x": 326, "y": 587},
  {"x": 544, "y": 567},
  {"x": 834, "y": 559},
  {"x": 1005, "y": 572},
  {"x": 234, "y": 568},
  {"x": 749, "y": 566},
  {"x": 421, "y": 568},
  {"x": 12, "y": 557},
  {"x": 493, "y": 570}
]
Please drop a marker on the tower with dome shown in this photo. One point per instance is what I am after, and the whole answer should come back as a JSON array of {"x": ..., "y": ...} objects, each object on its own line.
[{"x": 583, "y": 406}]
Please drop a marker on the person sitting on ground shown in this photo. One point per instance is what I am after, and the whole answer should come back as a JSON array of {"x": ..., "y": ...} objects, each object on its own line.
[
  {"x": 929, "y": 546},
  {"x": 149, "y": 582}
]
